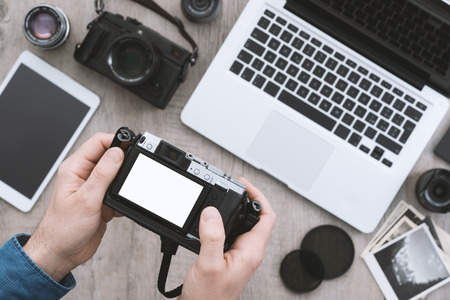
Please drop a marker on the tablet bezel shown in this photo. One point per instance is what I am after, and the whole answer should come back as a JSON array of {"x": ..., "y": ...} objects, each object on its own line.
[{"x": 73, "y": 88}]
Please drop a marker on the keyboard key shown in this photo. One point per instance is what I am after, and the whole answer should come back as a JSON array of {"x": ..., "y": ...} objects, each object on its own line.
[
  {"x": 363, "y": 71},
  {"x": 398, "y": 92},
  {"x": 281, "y": 21},
  {"x": 341, "y": 85},
  {"x": 320, "y": 57},
  {"x": 248, "y": 74},
  {"x": 326, "y": 91},
  {"x": 354, "y": 139},
  {"x": 269, "y": 14},
  {"x": 376, "y": 91},
  {"x": 307, "y": 65},
  {"x": 296, "y": 58},
  {"x": 413, "y": 113},
  {"x": 316, "y": 42},
  {"x": 375, "y": 105},
  {"x": 377, "y": 153},
  {"x": 364, "y": 149},
  {"x": 325, "y": 105},
  {"x": 304, "y": 77},
  {"x": 399, "y": 105},
  {"x": 304, "y": 35},
  {"x": 254, "y": 47},
  {"x": 349, "y": 104},
  {"x": 259, "y": 35},
  {"x": 286, "y": 36},
  {"x": 354, "y": 77},
  {"x": 382, "y": 125},
  {"x": 303, "y": 91},
  {"x": 421, "y": 106},
  {"x": 370, "y": 132},
  {"x": 374, "y": 77},
  {"x": 350, "y": 63},
  {"x": 271, "y": 89},
  {"x": 259, "y": 81},
  {"x": 398, "y": 119},
  {"x": 337, "y": 97},
  {"x": 236, "y": 67},
  {"x": 386, "y": 85},
  {"x": 269, "y": 71},
  {"x": 342, "y": 132},
  {"x": 297, "y": 43},
  {"x": 263, "y": 23},
  {"x": 292, "y": 70},
  {"x": 359, "y": 126},
  {"x": 410, "y": 99},
  {"x": 360, "y": 111},
  {"x": 270, "y": 56},
  {"x": 364, "y": 98},
  {"x": 258, "y": 64},
  {"x": 245, "y": 56},
  {"x": 386, "y": 112},
  {"x": 293, "y": 28},
  {"x": 274, "y": 44},
  {"x": 319, "y": 71},
  {"x": 339, "y": 56},
  {"x": 314, "y": 98},
  {"x": 408, "y": 129},
  {"x": 343, "y": 70},
  {"x": 309, "y": 50},
  {"x": 353, "y": 92},
  {"x": 387, "y": 98},
  {"x": 371, "y": 118},
  {"x": 307, "y": 110},
  {"x": 281, "y": 63},
  {"x": 331, "y": 64},
  {"x": 275, "y": 29},
  {"x": 330, "y": 78},
  {"x": 285, "y": 51},
  {"x": 291, "y": 84},
  {"x": 348, "y": 119},
  {"x": 336, "y": 112},
  {"x": 388, "y": 144},
  {"x": 387, "y": 162},
  {"x": 394, "y": 131},
  {"x": 365, "y": 84},
  {"x": 280, "y": 78},
  {"x": 315, "y": 84},
  {"x": 327, "y": 49}
]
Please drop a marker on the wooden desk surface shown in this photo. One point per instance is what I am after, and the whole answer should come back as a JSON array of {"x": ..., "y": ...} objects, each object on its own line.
[{"x": 127, "y": 263}]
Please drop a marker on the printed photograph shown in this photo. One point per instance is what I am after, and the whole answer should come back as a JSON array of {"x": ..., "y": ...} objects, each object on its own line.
[{"x": 412, "y": 264}]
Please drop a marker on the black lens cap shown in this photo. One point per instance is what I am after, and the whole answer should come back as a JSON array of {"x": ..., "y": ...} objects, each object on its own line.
[
  {"x": 334, "y": 248},
  {"x": 295, "y": 271}
]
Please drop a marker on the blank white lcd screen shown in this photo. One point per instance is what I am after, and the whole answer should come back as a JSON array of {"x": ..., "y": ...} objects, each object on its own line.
[{"x": 160, "y": 190}]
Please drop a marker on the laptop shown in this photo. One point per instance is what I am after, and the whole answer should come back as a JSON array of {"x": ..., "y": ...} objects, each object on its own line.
[{"x": 335, "y": 98}]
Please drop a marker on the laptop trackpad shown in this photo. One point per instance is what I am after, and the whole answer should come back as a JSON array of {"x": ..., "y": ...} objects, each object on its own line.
[{"x": 289, "y": 152}]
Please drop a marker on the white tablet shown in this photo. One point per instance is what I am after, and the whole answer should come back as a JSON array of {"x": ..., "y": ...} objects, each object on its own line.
[{"x": 42, "y": 112}]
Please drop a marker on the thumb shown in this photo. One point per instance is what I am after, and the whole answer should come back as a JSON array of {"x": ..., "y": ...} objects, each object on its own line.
[
  {"x": 103, "y": 174},
  {"x": 212, "y": 239}
]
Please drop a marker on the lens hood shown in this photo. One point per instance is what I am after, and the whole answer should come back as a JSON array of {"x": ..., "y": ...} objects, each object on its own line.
[{"x": 433, "y": 190}]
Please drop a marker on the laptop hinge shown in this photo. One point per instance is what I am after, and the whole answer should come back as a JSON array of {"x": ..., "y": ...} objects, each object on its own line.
[{"x": 358, "y": 41}]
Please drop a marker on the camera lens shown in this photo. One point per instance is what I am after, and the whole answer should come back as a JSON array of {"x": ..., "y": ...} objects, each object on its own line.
[
  {"x": 132, "y": 60},
  {"x": 46, "y": 26},
  {"x": 439, "y": 191},
  {"x": 202, "y": 11},
  {"x": 433, "y": 190}
]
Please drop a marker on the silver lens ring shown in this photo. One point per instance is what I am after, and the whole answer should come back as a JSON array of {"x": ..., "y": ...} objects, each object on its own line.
[{"x": 46, "y": 26}]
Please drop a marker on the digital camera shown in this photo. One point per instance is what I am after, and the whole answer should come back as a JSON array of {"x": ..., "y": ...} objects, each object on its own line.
[
  {"x": 165, "y": 189},
  {"x": 134, "y": 56}
]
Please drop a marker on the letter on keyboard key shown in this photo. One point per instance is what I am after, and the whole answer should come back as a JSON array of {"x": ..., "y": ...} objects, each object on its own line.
[
  {"x": 388, "y": 144},
  {"x": 307, "y": 110}
]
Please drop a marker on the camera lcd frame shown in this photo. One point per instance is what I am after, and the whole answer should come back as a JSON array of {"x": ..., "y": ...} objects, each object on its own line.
[{"x": 147, "y": 192}]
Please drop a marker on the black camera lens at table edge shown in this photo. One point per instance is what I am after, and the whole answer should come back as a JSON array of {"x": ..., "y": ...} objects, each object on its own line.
[{"x": 201, "y": 11}]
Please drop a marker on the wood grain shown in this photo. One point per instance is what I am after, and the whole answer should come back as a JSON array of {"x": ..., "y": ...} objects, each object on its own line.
[{"x": 127, "y": 263}]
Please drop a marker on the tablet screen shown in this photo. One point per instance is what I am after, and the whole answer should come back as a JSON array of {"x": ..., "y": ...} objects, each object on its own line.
[{"x": 37, "y": 120}]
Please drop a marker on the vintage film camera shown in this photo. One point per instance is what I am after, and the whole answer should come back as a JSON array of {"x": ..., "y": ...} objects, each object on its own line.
[
  {"x": 134, "y": 56},
  {"x": 165, "y": 189}
]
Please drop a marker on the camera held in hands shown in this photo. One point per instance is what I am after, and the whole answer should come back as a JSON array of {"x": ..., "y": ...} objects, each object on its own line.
[
  {"x": 165, "y": 189},
  {"x": 134, "y": 56}
]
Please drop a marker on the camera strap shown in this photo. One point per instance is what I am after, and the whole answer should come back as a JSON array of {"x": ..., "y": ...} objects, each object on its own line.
[{"x": 168, "y": 248}]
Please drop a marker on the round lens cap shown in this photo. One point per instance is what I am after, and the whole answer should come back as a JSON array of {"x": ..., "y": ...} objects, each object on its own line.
[
  {"x": 295, "y": 271},
  {"x": 334, "y": 248}
]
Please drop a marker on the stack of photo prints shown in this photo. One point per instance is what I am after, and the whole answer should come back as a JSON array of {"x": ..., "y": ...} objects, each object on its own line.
[{"x": 409, "y": 256}]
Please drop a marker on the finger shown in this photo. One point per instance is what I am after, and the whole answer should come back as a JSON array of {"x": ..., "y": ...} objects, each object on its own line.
[
  {"x": 94, "y": 189},
  {"x": 86, "y": 157},
  {"x": 212, "y": 239}
]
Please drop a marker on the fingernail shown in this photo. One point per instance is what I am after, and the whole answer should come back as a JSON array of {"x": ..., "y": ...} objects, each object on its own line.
[
  {"x": 115, "y": 154},
  {"x": 210, "y": 214}
]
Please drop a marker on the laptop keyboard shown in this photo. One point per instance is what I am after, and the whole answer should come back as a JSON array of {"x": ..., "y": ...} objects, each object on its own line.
[
  {"x": 402, "y": 24},
  {"x": 311, "y": 77}
]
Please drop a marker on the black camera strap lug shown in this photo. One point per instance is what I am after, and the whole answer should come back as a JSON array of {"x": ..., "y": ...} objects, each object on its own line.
[
  {"x": 99, "y": 6},
  {"x": 168, "y": 248}
]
